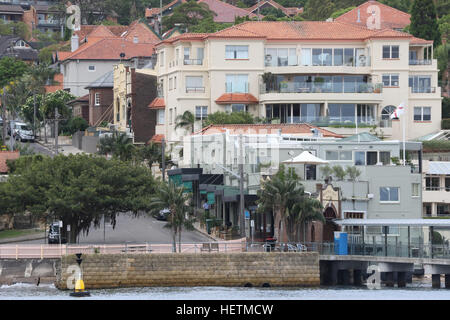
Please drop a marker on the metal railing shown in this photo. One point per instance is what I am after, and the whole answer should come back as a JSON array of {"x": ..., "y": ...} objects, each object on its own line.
[
  {"x": 422, "y": 89},
  {"x": 193, "y": 62},
  {"x": 21, "y": 251},
  {"x": 322, "y": 87},
  {"x": 417, "y": 62},
  {"x": 195, "y": 89}
]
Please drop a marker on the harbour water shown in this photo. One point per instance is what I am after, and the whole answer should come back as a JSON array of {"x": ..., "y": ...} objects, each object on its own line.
[{"x": 422, "y": 291}]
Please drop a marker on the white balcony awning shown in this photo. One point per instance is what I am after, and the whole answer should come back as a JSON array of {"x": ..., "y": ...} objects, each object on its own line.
[
  {"x": 305, "y": 158},
  {"x": 438, "y": 167}
]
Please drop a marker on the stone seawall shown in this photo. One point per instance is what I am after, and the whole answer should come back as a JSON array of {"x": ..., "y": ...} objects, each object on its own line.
[
  {"x": 198, "y": 269},
  {"x": 28, "y": 270}
]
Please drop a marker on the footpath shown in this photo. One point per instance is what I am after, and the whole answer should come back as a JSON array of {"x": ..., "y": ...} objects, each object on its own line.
[
  {"x": 29, "y": 237},
  {"x": 63, "y": 148}
]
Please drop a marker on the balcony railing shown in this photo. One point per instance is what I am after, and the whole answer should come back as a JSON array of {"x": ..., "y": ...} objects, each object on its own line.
[
  {"x": 195, "y": 89},
  {"x": 432, "y": 188},
  {"x": 420, "y": 62},
  {"x": 193, "y": 62},
  {"x": 423, "y": 89},
  {"x": 327, "y": 121},
  {"x": 49, "y": 22},
  {"x": 322, "y": 87}
]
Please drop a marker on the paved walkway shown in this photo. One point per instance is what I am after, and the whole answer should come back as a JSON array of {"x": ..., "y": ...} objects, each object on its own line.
[
  {"x": 65, "y": 149},
  {"x": 29, "y": 237}
]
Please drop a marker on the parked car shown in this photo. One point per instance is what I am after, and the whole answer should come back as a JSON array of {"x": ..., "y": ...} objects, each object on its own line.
[
  {"x": 163, "y": 214},
  {"x": 54, "y": 234},
  {"x": 22, "y": 132}
]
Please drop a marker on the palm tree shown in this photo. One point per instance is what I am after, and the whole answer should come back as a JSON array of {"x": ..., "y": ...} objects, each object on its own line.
[
  {"x": 118, "y": 144},
  {"x": 176, "y": 200},
  {"x": 280, "y": 194},
  {"x": 186, "y": 121},
  {"x": 304, "y": 212}
]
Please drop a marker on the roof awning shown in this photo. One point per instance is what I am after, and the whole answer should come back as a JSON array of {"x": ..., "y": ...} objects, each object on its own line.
[
  {"x": 394, "y": 222},
  {"x": 305, "y": 158},
  {"x": 157, "y": 103},
  {"x": 229, "y": 98},
  {"x": 438, "y": 167}
]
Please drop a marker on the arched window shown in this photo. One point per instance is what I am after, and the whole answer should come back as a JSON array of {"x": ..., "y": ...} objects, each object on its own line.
[{"x": 386, "y": 112}]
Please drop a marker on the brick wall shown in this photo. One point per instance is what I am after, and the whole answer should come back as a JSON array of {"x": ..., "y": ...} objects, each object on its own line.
[
  {"x": 197, "y": 269},
  {"x": 7, "y": 155},
  {"x": 106, "y": 99},
  {"x": 143, "y": 118}
]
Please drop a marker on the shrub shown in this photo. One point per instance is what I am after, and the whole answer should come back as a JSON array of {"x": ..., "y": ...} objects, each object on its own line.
[
  {"x": 339, "y": 172},
  {"x": 445, "y": 124}
]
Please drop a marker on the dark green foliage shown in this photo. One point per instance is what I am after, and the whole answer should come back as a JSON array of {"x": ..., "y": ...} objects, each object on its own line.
[
  {"x": 423, "y": 21},
  {"x": 11, "y": 69},
  {"x": 445, "y": 109},
  {"x": 445, "y": 124},
  {"x": 316, "y": 10},
  {"x": 77, "y": 189},
  {"x": 208, "y": 26},
  {"x": 188, "y": 14},
  {"x": 185, "y": 121},
  {"x": 229, "y": 118},
  {"x": 277, "y": 13},
  {"x": 74, "y": 125},
  {"x": 436, "y": 145},
  {"x": 340, "y": 12}
]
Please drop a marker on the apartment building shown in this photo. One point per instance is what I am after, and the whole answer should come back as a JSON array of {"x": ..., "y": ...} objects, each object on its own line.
[
  {"x": 382, "y": 190},
  {"x": 336, "y": 75},
  {"x": 436, "y": 191}
]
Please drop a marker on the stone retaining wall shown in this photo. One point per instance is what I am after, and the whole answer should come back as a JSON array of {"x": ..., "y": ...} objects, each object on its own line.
[
  {"x": 28, "y": 270},
  {"x": 198, "y": 269}
]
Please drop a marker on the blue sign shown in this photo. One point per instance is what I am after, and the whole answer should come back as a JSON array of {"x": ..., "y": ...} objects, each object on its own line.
[{"x": 247, "y": 214}]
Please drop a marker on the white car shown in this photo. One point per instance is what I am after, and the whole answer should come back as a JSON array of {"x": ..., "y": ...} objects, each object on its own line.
[{"x": 22, "y": 132}]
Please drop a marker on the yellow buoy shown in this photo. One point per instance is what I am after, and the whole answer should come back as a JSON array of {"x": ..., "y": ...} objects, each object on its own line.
[{"x": 79, "y": 285}]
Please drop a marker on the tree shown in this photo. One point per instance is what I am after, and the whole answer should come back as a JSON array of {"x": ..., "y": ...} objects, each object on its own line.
[
  {"x": 209, "y": 26},
  {"x": 326, "y": 171},
  {"x": 176, "y": 200},
  {"x": 279, "y": 194},
  {"x": 118, "y": 144},
  {"x": 74, "y": 125},
  {"x": 315, "y": 11},
  {"x": 76, "y": 189},
  {"x": 303, "y": 212},
  {"x": 423, "y": 21},
  {"x": 277, "y": 13},
  {"x": 353, "y": 172},
  {"x": 444, "y": 27},
  {"x": 185, "y": 121},
  {"x": 339, "y": 172},
  {"x": 442, "y": 53},
  {"x": 187, "y": 14},
  {"x": 11, "y": 69},
  {"x": 340, "y": 12}
]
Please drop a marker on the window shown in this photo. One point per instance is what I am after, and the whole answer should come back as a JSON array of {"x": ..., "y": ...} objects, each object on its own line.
[
  {"x": 415, "y": 187},
  {"x": 161, "y": 116},
  {"x": 372, "y": 158},
  {"x": 447, "y": 183},
  {"x": 389, "y": 194},
  {"x": 422, "y": 113},
  {"x": 391, "y": 52},
  {"x": 280, "y": 57},
  {"x": 170, "y": 116},
  {"x": 420, "y": 84},
  {"x": 238, "y": 108},
  {"x": 432, "y": 183},
  {"x": 91, "y": 68},
  {"x": 306, "y": 57},
  {"x": 386, "y": 112},
  {"x": 390, "y": 80},
  {"x": 174, "y": 82},
  {"x": 20, "y": 43},
  {"x": 338, "y": 155},
  {"x": 385, "y": 158},
  {"x": 161, "y": 59},
  {"x": 194, "y": 84},
  {"x": 187, "y": 53},
  {"x": 201, "y": 112},
  {"x": 170, "y": 83},
  {"x": 236, "y": 83},
  {"x": 360, "y": 158},
  {"x": 338, "y": 57},
  {"x": 236, "y": 52},
  {"x": 97, "y": 98}
]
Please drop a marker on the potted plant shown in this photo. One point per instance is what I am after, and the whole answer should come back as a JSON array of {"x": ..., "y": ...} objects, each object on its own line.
[{"x": 268, "y": 79}]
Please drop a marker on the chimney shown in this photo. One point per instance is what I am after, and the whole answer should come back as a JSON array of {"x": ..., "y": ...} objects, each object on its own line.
[{"x": 74, "y": 42}]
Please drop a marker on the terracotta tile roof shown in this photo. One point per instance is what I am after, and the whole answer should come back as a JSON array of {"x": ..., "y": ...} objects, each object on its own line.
[
  {"x": 57, "y": 85},
  {"x": 226, "y": 12},
  {"x": 149, "y": 12},
  {"x": 7, "y": 155},
  {"x": 415, "y": 40},
  {"x": 157, "y": 103},
  {"x": 142, "y": 32},
  {"x": 157, "y": 138},
  {"x": 228, "y": 98},
  {"x": 100, "y": 30},
  {"x": 391, "y": 18},
  {"x": 62, "y": 55},
  {"x": 110, "y": 48},
  {"x": 296, "y": 128},
  {"x": 84, "y": 98}
]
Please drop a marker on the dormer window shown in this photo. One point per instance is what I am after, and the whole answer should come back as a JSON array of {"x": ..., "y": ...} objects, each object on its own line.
[{"x": 20, "y": 44}]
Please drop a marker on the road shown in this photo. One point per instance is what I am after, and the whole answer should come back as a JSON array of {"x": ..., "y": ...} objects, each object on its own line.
[{"x": 134, "y": 230}]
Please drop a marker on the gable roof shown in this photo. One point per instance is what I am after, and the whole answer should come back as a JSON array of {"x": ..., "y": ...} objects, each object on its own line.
[
  {"x": 150, "y": 12},
  {"x": 157, "y": 103},
  {"x": 292, "y": 11},
  {"x": 11, "y": 9},
  {"x": 23, "y": 53},
  {"x": 110, "y": 49},
  {"x": 391, "y": 18},
  {"x": 105, "y": 81},
  {"x": 295, "y": 128},
  {"x": 226, "y": 12}
]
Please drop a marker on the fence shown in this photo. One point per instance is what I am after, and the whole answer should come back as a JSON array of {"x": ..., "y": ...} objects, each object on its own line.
[{"x": 56, "y": 250}]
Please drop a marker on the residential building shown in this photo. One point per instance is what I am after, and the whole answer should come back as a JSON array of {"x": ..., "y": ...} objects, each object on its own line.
[
  {"x": 11, "y": 12},
  {"x": 152, "y": 15},
  {"x": 382, "y": 190},
  {"x": 289, "y": 12},
  {"x": 80, "y": 107},
  {"x": 376, "y": 15},
  {"x": 16, "y": 47},
  {"x": 332, "y": 74},
  {"x": 225, "y": 12},
  {"x": 134, "y": 90},
  {"x": 101, "y": 97},
  {"x": 436, "y": 190}
]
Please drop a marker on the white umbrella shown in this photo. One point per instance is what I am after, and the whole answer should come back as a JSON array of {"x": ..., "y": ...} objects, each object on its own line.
[{"x": 305, "y": 158}]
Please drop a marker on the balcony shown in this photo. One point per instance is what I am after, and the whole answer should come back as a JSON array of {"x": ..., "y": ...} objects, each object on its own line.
[
  {"x": 322, "y": 87},
  {"x": 331, "y": 121},
  {"x": 193, "y": 62},
  {"x": 236, "y": 87},
  {"x": 422, "y": 90},
  {"x": 49, "y": 23}
]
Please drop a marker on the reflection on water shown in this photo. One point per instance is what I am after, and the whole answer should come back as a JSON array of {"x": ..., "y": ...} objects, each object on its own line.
[{"x": 47, "y": 292}]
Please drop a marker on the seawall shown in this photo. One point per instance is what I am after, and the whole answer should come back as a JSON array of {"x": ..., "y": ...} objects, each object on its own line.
[
  {"x": 197, "y": 269},
  {"x": 28, "y": 270}
]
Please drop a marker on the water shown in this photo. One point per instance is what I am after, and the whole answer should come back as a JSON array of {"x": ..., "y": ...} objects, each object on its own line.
[{"x": 421, "y": 291}]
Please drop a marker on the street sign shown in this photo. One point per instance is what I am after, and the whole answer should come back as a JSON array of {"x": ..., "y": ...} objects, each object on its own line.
[
  {"x": 60, "y": 224},
  {"x": 252, "y": 223},
  {"x": 247, "y": 214},
  {"x": 68, "y": 228}
]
